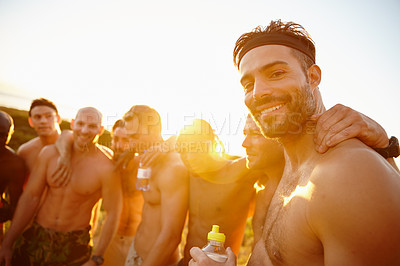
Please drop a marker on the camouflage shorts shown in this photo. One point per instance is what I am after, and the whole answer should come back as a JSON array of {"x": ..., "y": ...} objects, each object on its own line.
[{"x": 43, "y": 246}]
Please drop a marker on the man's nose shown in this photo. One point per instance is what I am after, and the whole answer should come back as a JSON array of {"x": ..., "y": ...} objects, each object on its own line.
[
  {"x": 261, "y": 89},
  {"x": 43, "y": 119},
  {"x": 245, "y": 143},
  {"x": 85, "y": 129}
]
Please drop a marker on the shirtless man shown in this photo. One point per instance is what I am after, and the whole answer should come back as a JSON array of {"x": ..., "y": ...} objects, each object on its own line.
[
  {"x": 215, "y": 183},
  {"x": 304, "y": 224},
  {"x": 45, "y": 120},
  {"x": 265, "y": 155},
  {"x": 165, "y": 204},
  {"x": 59, "y": 233},
  {"x": 132, "y": 201},
  {"x": 13, "y": 170}
]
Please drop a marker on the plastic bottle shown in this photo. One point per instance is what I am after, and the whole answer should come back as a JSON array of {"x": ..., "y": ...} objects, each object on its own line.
[
  {"x": 143, "y": 178},
  {"x": 215, "y": 247}
]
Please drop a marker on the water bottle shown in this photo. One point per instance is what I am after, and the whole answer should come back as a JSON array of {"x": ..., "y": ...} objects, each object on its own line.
[
  {"x": 215, "y": 246},
  {"x": 143, "y": 178}
]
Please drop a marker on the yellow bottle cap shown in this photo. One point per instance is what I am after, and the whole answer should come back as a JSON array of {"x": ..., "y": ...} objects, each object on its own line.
[{"x": 215, "y": 235}]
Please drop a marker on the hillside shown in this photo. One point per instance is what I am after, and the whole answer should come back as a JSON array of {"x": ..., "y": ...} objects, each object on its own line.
[{"x": 23, "y": 132}]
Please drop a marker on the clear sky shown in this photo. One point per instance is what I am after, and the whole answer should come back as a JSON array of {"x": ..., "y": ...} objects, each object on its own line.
[{"x": 176, "y": 56}]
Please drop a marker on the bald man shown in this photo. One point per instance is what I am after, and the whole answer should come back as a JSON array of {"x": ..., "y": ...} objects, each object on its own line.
[{"x": 59, "y": 234}]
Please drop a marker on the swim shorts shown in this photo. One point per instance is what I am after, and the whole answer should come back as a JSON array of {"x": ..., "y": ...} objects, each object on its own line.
[{"x": 44, "y": 246}]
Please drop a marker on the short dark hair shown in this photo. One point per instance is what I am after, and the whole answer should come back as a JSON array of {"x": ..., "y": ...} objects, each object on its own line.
[
  {"x": 277, "y": 26},
  {"x": 117, "y": 124},
  {"x": 42, "y": 102}
]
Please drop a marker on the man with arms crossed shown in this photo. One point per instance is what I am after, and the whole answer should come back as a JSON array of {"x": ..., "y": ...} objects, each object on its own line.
[
  {"x": 60, "y": 230},
  {"x": 340, "y": 207},
  {"x": 165, "y": 204}
]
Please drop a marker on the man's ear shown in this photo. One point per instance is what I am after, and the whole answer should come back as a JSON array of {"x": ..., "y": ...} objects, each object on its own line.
[
  {"x": 101, "y": 130},
  {"x": 72, "y": 124},
  {"x": 314, "y": 76},
  {"x": 30, "y": 122},
  {"x": 58, "y": 119}
]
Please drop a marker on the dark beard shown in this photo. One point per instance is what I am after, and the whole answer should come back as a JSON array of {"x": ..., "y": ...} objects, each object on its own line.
[{"x": 300, "y": 107}]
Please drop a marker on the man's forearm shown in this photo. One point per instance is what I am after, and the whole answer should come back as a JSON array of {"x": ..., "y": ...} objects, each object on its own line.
[
  {"x": 108, "y": 231},
  {"x": 162, "y": 250},
  {"x": 64, "y": 143},
  {"x": 26, "y": 208}
]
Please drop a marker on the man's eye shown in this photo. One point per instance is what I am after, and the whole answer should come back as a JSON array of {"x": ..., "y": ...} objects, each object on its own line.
[
  {"x": 133, "y": 136},
  {"x": 248, "y": 87},
  {"x": 277, "y": 74}
]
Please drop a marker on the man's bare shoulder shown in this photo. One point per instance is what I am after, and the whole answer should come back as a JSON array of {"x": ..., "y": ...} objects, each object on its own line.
[
  {"x": 236, "y": 171},
  {"x": 106, "y": 150},
  {"x": 104, "y": 158},
  {"x": 244, "y": 174},
  {"x": 354, "y": 191},
  {"x": 173, "y": 169},
  {"x": 355, "y": 175},
  {"x": 48, "y": 152},
  {"x": 238, "y": 163},
  {"x": 352, "y": 161},
  {"x": 28, "y": 147},
  {"x": 173, "y": 159}
]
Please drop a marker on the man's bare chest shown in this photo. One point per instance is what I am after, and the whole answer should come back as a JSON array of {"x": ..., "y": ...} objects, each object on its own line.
[
  {"x": 287, "y": 234},
  {"x": 83, "y": 181},
  {"x": 153, "y": 195}
]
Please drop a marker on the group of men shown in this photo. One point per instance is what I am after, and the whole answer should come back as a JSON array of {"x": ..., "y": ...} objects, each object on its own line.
[
  {"x": 325, "y": 197},
  {"x": 54, "y": 218}
]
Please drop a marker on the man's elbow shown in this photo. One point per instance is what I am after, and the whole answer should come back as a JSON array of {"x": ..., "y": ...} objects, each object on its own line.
[{"x": 114, "y": 214}]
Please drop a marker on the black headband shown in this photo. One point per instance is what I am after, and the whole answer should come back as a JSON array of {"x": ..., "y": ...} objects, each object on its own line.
[{"x": 301, "y": 44}]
